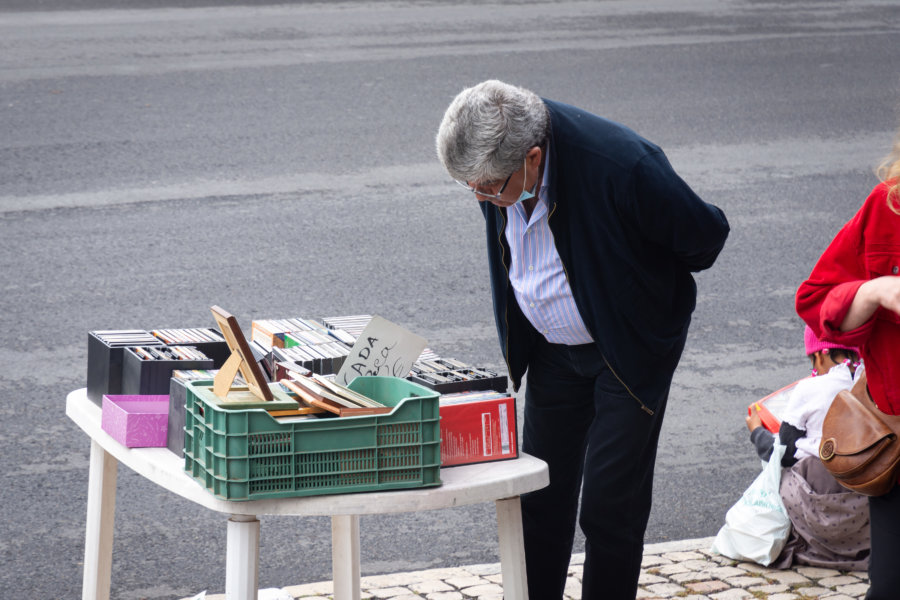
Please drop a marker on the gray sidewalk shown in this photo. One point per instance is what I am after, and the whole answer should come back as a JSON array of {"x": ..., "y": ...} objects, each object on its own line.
[{"x": 685, "y": 570}]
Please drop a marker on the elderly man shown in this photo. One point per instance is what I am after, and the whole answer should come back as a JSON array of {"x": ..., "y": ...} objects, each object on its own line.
[{"x": 591, "y": 240}]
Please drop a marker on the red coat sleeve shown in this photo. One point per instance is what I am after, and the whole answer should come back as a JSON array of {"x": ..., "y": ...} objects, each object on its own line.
[{"x": 824, "y": 298}]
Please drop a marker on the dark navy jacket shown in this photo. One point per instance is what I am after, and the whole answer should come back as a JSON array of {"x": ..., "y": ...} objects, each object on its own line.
[{"x": 629, "y": 232}]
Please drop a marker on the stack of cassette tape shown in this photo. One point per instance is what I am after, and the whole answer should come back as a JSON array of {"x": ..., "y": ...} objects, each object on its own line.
[
  {"x": 353, "y": 325},
  {"x": 448, "y": 375},
  {"x": 314, "y": 346}
]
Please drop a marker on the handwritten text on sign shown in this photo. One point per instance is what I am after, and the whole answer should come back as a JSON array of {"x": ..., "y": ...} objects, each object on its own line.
[{"x": 383, "y": 348}]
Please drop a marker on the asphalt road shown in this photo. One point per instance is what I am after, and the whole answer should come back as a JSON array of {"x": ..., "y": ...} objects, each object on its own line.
[{"x": 157, "y": 158}]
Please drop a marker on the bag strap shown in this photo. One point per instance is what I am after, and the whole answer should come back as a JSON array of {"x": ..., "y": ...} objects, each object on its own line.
[
  {"x": 860, "y": 391},
  {"x": 860, "y": 388}
]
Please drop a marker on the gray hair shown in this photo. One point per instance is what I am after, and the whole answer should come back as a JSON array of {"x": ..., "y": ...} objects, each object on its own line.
[{"x": 488, "y": 129}]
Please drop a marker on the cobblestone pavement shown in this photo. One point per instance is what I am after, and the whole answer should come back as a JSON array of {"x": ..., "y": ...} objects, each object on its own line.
[{"x": 685, "y": 570}]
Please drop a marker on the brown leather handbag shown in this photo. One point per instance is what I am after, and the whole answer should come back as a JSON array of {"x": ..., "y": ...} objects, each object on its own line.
[{"x": 860, "y": 445}]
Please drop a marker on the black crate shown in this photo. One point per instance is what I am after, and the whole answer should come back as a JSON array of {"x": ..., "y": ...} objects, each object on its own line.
[
  {"x": 104, "y": 368},
  {"x": 151, "y": 377},
  {"x": 218, "y": 350},
  {"x": 462, "y": 380}
]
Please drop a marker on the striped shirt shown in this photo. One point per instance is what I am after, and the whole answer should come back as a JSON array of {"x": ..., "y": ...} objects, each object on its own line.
[{"x": 537, "y": 275}]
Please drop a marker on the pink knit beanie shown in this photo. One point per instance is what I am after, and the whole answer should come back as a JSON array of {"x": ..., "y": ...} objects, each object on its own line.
[{"x": 813, "y": 344}]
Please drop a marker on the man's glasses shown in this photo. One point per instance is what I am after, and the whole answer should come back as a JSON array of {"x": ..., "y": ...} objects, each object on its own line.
[{"x": 481, "y": 195}]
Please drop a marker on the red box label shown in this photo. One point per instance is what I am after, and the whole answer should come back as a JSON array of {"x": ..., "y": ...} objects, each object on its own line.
[{"x": 478, "y": 431}]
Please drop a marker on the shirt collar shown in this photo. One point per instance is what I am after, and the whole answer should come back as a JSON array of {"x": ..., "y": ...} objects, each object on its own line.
[
  {"x": 544, "y": 194},
  {"x": 543, "y": 197}
]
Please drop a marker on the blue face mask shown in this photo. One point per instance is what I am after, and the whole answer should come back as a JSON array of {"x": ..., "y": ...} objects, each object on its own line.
[{"x": 527, "y": 194}]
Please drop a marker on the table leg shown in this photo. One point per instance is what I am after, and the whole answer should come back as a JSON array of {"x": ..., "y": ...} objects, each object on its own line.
[
  {"x": 242, "y": 558},
  {"x": 345, "y": 556},
  {"x": 512, "y": 548},
  {"x": 101, "y": 512}
]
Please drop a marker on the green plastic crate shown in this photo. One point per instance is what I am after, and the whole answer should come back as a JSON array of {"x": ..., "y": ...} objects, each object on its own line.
[{"x": 247, "y": 455}]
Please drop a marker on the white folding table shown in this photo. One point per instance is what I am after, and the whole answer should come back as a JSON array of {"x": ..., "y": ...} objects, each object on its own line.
[{"x": 501, "y": 482}]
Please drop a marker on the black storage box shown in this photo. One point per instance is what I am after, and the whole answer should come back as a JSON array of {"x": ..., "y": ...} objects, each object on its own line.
[
  {"x": 218, "y": 350},
  {"x": 151, "y": 377},
  {"x": 462, "y": 380},
  {"x": 105, "y": 355}
]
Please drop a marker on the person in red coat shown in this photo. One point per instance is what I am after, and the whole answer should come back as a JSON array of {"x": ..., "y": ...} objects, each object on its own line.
[{"x": 852, "y": 297}]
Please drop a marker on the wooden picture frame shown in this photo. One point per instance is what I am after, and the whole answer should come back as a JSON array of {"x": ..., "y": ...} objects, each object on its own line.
[{"x": 241, "y": 359}]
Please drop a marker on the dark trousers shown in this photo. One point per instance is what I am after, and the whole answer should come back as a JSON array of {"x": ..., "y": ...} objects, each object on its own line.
[
  {"x": 884, "y": 561},
  {"x": 581, "y": 420}
]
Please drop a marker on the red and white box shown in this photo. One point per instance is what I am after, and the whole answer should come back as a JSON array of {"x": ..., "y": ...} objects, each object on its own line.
[{"x": 478, "y": 431}]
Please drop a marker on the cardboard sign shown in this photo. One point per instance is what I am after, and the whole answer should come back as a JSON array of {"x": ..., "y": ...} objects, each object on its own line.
[{"x": 383, "y": 348}]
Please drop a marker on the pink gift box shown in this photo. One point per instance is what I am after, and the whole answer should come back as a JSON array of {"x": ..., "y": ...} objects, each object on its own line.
[{"x": 136, "y": 421}]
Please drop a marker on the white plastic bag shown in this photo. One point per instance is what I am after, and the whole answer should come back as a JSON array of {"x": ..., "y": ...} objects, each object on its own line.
[{"x": 757, "y": 526}]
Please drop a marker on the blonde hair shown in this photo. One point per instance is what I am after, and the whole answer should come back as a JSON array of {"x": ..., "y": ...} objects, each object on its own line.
[{"x": 889, "y": 172}]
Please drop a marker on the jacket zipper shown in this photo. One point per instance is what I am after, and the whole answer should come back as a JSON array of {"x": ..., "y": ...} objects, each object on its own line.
[
  {"x": 603, "y": 356},
  {"x": 506, "y": 305}
]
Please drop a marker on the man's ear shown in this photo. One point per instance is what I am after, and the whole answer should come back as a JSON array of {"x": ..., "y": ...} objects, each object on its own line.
[{"x": 534, "y": 157}]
